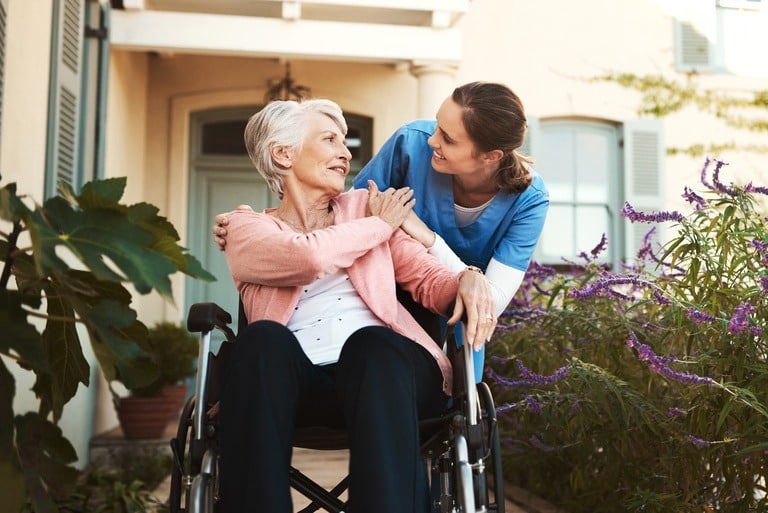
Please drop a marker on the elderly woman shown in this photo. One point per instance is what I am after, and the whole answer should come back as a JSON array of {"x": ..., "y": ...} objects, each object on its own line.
[{"x": 328, "y": 341}]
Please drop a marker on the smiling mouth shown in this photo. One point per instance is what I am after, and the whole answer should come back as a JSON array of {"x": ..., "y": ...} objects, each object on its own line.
[
  {"x": 437, "y": 156},
  {"x": 342, "y": 170}
]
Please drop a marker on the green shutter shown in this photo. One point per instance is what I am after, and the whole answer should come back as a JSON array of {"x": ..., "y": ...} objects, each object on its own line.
[
  {"x": 3, "y": 27},
  {"x": 63, "y": 159}
]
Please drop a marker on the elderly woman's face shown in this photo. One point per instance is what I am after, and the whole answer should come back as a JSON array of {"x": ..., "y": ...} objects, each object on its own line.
[{"x": 323, "y": 161}]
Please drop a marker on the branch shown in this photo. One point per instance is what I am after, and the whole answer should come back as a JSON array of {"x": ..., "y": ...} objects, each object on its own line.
[{"x": 12, "y": 247}]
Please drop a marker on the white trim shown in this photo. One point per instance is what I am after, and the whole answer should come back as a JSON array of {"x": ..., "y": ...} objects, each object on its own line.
[
  {"x": 133, "y": 4},
  {"x": 461, "y": 6},
  {"x": 179, "y": 32},
  {"x": 750, "y": 5}
]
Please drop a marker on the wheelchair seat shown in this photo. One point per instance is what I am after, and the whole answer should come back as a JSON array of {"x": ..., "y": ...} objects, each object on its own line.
[{"x": 462, "y": 444}]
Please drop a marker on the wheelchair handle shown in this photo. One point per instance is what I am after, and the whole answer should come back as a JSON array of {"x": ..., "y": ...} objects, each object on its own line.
[{"x": 469, "y": 377}]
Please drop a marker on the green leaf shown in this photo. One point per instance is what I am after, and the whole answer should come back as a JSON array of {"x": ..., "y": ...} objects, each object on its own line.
[
  {"x": 20, "y": 336},
  {"x": 11, "y": 207},
  {"x": 96, "y": 194},
  {"x": 106, "y": 241},
  {"x": 65, "y": 354},
  {"x": 104, "y": 308},
  {"x": 45, "y": 457}
]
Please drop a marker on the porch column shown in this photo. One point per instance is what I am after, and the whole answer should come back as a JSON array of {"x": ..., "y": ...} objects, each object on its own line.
[{"x": 436, "y": 82}]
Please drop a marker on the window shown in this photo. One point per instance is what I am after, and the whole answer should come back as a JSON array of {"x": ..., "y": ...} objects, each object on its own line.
[
  {"x": 591, "y": 168},
  {"x": 722, "y": 36}
]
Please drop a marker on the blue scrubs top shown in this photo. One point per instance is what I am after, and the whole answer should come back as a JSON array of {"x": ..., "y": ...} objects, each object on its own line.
[{"x": 507, "y": 230}]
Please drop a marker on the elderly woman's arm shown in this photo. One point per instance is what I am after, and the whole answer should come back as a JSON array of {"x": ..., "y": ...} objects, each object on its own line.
[{"x": 260, "y": 250}]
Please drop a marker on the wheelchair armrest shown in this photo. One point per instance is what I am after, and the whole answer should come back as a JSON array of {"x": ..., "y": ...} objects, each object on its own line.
[{"x": 206, "y": 316}]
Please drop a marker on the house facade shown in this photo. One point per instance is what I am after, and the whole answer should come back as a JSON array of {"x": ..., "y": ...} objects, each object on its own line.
[{"x": 159, "y": 90}]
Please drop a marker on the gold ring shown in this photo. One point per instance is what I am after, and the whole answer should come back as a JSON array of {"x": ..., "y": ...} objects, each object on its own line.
[{"x": 489, "y": 317}]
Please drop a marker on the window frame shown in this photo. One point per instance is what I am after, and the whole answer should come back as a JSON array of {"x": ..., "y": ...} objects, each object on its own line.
[{"x": 639, "y": 162}]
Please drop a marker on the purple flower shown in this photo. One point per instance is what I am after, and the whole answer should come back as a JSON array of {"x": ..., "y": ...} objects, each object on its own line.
[
  {"x": 740, "y": 320},
  {"x": 700, "y": 317},
  {"x": 604, "y": 286},
  {"x": 596, "y": 250},
  {"x": 754, "y": 189},
  {"x": 675, "y": 412},
  {"x": 504, "y": 408},
  {"x": 660, "y": 299},
  {"x": 533, "y": 404},
  {"x": 720, "y": 186},
  {"x": 540, "y": 379},
  {"x": 528, "y": 378},
  {"x": 698, "y": 442},
  {"x": 694, "y": 199},
  {"x": 534, "y": 441},
  {"x": 660, "y": 364},
  {"x": 654, "y": 217}
]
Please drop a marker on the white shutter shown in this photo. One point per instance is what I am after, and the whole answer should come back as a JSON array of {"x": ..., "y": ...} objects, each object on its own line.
[
  {"x": 3, "y": 31},
  {"x": 644, "y": 158},
  {"x": 696, "y": 36},
  {"x": 64, "y": 109}
]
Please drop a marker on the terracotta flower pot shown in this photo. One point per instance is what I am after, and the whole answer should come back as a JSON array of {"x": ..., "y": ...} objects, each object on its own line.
[
  {"x": 143, "y": 417},
  {"x": 176, "y": 394}
]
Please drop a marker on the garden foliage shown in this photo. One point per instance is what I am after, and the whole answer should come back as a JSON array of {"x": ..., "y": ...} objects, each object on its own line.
[
  {"x": 645, "y": 388},
  {"x": 70, "y": 279}
]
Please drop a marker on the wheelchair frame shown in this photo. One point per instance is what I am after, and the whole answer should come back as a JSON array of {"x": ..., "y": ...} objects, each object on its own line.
[{"x": 459, "y": 444}]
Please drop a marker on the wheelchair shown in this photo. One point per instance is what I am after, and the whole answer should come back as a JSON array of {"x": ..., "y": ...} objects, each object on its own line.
[{"x": 462, "y": 446}]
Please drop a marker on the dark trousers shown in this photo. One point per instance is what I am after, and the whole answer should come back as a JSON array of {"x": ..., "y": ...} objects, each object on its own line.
[{"x": 381, "y": 386}]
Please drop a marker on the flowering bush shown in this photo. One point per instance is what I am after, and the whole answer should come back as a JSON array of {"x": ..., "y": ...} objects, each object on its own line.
[{"x": 645, "y": 388}]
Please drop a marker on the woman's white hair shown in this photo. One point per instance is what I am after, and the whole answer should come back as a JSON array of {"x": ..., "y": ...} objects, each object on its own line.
[{"x": 280, "y": 123}]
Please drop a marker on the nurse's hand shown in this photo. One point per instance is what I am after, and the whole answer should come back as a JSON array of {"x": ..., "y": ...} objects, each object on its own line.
[
  {"x": 474, "y": 302},
  {"x": 220, "y": 228}
]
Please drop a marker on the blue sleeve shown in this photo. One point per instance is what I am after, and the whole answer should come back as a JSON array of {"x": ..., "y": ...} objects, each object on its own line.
[
  {"x": 516, "y": 247},
  {"x": 389, "y": 166}
]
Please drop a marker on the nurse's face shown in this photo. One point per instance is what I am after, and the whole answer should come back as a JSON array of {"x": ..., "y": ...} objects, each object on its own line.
[{"x": 454, "y": 152}]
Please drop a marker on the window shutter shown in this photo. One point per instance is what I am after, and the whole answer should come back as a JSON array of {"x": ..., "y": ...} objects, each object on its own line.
[
  {"x": 3, "y": 30},
  {"x": 62, "y": 163},
  {"x": 644, "y": 157},
  {"x": 696, "y": 37}
]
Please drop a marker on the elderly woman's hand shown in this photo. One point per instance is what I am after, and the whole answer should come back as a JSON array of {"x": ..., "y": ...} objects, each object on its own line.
[
  {"x": 392, "y": 205},
  {"x": 474, "y": 301}
]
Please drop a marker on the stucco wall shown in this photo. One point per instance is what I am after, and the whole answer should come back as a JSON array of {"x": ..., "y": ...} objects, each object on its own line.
[{"x": 545, "y": 50}]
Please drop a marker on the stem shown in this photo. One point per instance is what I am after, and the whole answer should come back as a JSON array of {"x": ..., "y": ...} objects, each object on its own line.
[{"x": 12, "y": 247}]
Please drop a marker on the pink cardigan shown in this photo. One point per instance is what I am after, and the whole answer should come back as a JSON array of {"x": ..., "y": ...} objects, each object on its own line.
[{"x": 270, "y": 262}]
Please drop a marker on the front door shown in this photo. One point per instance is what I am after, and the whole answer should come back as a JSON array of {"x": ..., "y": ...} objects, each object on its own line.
[{"x": 222, "y": 177}]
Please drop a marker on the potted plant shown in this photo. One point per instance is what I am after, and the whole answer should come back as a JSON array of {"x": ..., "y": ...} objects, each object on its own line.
[{"x": 146, "y": 411}]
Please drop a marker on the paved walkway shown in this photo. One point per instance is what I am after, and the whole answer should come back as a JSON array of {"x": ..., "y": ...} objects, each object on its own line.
[{"x": 327, "y": 468}]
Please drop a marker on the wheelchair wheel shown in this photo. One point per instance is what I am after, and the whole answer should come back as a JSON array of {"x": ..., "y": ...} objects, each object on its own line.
[
  {"x": 494, "y": 457},
  {"x": 194, "y": 476},
  {"x": 178, "y": 449}
]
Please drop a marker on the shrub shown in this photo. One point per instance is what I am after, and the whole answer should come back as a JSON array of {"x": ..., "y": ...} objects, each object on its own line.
[{"x": 645, "y": 388}]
